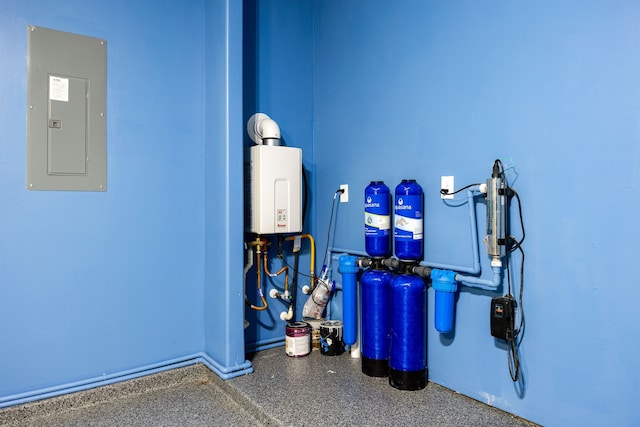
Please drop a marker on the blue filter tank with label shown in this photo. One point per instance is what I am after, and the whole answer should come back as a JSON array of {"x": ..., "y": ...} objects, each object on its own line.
[
  {"x": 408, "y": 230},
  {"x": 377, "y": 220}
]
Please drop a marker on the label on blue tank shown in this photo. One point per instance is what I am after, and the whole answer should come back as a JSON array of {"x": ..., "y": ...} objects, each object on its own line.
[
  {"x": 377, "y": 221},
  {"x": 408, "y": 218}
]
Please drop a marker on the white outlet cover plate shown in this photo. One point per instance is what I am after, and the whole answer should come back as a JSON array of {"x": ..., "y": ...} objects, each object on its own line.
[
  {"x": 446, "y": 183},
  {"x": 344, "y": 196}
]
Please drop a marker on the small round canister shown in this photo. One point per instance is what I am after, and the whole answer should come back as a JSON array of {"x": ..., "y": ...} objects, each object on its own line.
[{"x": 331, "y": 341}]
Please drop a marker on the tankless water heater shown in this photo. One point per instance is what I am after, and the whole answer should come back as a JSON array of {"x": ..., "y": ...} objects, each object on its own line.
[{"x": 275, "y": 175}]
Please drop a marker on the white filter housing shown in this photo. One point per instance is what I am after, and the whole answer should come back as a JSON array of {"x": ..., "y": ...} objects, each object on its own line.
[{"x": 275, "y": 175}]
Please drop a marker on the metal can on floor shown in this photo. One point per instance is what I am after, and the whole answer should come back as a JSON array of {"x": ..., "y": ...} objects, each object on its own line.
[
  {"x": 297, "y": 339},
  {"x": 331, "y": 341},
  {"x": 315, "y": 332}
]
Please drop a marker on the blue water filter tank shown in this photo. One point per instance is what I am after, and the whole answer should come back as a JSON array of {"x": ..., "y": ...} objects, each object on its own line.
[
  {"x": 445, "y": 286},
  {"x": 408, "y": 230},
  {"x": 408, "y": 350},
  {"x": 376, "y": 320},
  {"x": 377, "y": 220},
  {"x": 348, "y": 268}
]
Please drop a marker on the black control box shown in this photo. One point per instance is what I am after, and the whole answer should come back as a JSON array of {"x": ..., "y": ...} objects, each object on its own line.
[{"x": 503, "y": 311}]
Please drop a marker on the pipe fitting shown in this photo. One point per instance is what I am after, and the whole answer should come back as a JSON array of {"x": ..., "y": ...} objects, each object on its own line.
[
  {"x": 287, "y": 315},
  {"x": 391, "y": 263},
  {"x": 422, "y": 271},
  {"x": 364, "y": 262}
]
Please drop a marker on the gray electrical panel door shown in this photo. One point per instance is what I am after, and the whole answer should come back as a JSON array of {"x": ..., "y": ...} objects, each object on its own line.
[{"x": 66, "y": 111}]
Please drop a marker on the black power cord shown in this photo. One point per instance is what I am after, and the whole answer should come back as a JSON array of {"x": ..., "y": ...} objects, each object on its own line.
[
  {"x": 445, "y": 192},
  {"x": 514, "y": 337},
  {"x": 514, "y": 363},
  {"x": 326, "y": 248}
]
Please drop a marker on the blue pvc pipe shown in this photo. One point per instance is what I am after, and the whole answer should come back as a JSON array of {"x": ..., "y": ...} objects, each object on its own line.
[
  {"x": 226, "y": 372},
  {"x": 102, "y": 380},
  {"x": 473, "y": 224},
  {"x": 476, "y": 282},
  {"x": 264, "y": 344},
  {"x": 470, "y": 280},
  {"x": 348, "y": 269},
  {"x": 348, "y": 251},
  {"x": 467, "y": 279}
]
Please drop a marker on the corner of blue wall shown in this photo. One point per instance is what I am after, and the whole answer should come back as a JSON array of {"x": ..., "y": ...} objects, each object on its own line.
[{"x": 224, "y": 124}]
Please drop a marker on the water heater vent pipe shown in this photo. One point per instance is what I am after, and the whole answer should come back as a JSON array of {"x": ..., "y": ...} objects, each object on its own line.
[{"x": 263, "y": 130}]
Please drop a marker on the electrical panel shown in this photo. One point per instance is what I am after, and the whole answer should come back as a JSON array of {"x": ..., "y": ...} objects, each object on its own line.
[
  {"x": 275, "y": 187},
  {"x": 66, "y": 111}
]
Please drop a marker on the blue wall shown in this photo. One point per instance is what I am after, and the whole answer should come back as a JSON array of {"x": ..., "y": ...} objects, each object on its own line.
[
  {"x": 278, "y": 71},
  {"x": 100, "y": 283},
  {"x": 97, "y": 284},
  {"x": 224, "y": 125},
  {"x": 417, "y": 89}
]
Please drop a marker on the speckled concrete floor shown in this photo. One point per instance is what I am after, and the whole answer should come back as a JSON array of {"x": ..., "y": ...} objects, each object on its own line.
[
  {"x": 315, "y": 390},
  {"x": 189, "y": 396}
]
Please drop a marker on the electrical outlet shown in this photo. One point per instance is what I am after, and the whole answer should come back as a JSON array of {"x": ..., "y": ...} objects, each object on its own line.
[
  {"x": 446, "y": 183},
  {"x": 344, "y": 196}
]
